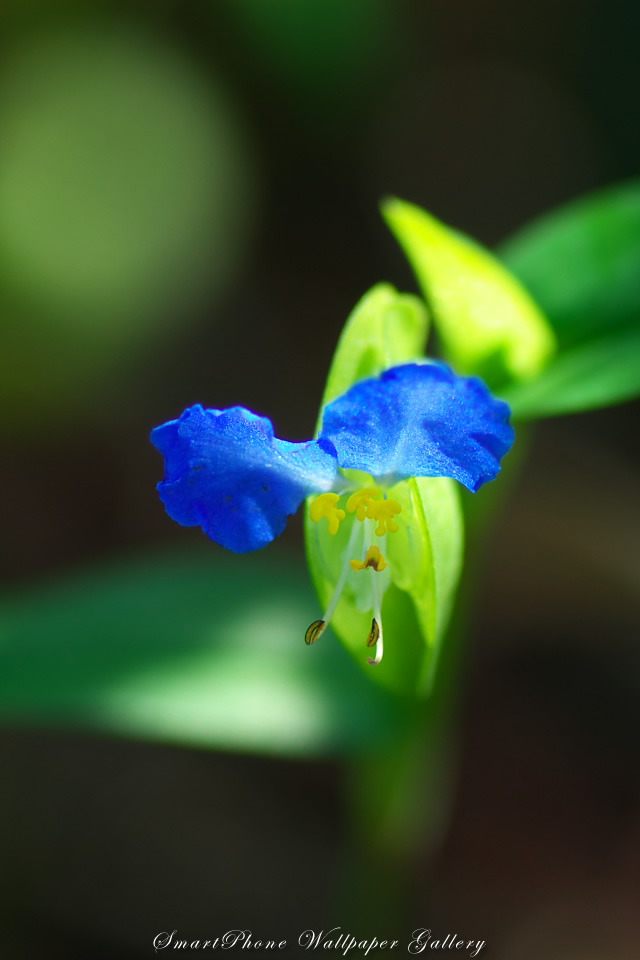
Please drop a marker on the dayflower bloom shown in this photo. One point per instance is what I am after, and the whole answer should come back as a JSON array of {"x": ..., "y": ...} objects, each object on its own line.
[{"x": 227, "y": 472}]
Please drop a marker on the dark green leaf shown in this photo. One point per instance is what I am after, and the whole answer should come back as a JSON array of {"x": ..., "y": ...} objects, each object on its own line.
[
  {"x": 591, "y": 375},
  {"x": 582, "y": 264},
  {"x": 207, "y": 652}
]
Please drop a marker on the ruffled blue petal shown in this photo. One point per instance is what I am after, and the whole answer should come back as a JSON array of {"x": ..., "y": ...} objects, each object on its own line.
[
  {"x": 226, "y": 472},
  {"x": 420, "y": 420}
]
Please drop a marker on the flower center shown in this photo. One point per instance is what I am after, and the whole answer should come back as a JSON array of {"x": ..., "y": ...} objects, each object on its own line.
[
  {"x": 367, "y": 504},
  {"x": 373, "y": 510}
]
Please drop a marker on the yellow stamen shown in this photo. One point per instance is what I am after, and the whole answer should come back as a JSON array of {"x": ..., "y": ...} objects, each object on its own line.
[
  {"x": 325, "y": 506},
  {"x": 359, "y": 501},
  {"x": 383, "y": 511},
  {"x": 365, "y": 506},
  {"x": 373, "y": 559}
]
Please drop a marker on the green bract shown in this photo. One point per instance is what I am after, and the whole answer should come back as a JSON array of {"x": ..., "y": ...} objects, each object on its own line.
[{"x": 425, "y": 555}]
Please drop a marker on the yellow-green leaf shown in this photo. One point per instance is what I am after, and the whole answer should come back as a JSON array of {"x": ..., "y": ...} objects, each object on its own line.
[{"x": 486, "y": 321}]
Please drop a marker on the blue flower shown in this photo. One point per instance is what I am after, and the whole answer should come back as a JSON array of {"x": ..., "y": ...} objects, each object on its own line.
[
  {"x": 420, "y": 421},
  {"x": 227, "y": 472}
]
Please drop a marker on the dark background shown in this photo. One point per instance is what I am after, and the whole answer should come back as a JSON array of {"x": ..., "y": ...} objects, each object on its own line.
[{"x": 487, "y": 114}]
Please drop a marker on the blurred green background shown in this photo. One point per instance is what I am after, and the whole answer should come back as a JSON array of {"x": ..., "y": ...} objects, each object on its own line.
[{"x": 188, "y": 212}]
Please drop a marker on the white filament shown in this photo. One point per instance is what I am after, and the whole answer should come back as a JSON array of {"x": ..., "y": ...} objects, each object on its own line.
[{"x": 335, "y": 596}]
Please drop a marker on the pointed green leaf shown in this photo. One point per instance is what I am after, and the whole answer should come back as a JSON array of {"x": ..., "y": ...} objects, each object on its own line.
[
  {"x": 582, "y": 264},
  {"x": 590, "y": 375},
  {"x": 425, "y": 555},
  {"x": 486, "y": 321}
]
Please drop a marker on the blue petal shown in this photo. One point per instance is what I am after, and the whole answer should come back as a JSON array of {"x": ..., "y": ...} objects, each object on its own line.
[
  {"x": 226, "y": 472},
  {"x": 420, "y": 420}
]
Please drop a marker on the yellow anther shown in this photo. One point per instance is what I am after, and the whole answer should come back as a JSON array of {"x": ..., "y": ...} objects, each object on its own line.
[
  {"x": 359, "y": 501},
  {"x": 384, "y": 511},
  {"x": 365, "y": 506},
  {"x": 373, "y": 559},
  {"x": 325, "y": 506}
]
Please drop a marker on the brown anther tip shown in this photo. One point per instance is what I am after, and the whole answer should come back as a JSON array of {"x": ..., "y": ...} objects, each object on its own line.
[
  {"x": 313, "y": 632},
  {"x": 374, "y": 633},
  {"x": 372, "y": 661}
]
